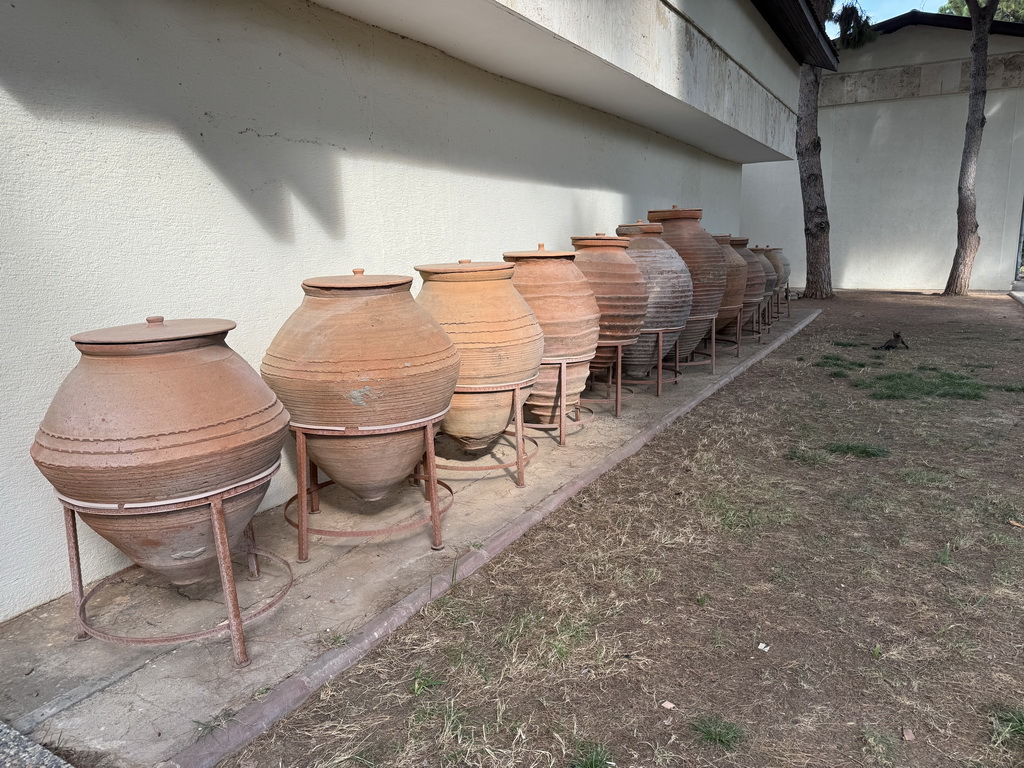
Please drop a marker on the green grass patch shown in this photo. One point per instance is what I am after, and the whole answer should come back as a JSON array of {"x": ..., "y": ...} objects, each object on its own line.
[
  {"x": 914, "y": 386},
  {"x": 847, "y": 344},
  {"x": 591, "y": 756},
  {"x": 716, "y": 731},
  {"x": 879, "y": 748},
  {"x": 839, "y": 374},
  {"x": 809, "y": 457},
  {"x": 1008, "y": 727},
  {"x": 860, "y": 450},
  {"x": 839, "y": 362}
]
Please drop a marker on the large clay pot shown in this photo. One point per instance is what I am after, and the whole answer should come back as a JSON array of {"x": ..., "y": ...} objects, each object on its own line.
[
  {"x": 735, "y": 283},
  {"x": 782, "y": 266},
  {"x": 771, "y": 276},
  {"x": 704, "y": 258},
  {"x": 669, "y": 289},
  {"x": 754, "y": 291},
  {"x": 160, "y": 411},
  {"x": 564, "y": 305},
  {"x": 619, "y": 288},
  {"x": 360, "y": 352},
  {"x": 498, "y": 338}
]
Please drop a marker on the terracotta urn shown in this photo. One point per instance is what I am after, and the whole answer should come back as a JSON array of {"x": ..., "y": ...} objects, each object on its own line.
[
  {"x": 563, "y": 302},
  {"x": 754, "y": 291},
  {"x": 619, "y": 288},
  {"x": 161, "y": 411},
  {"x": 735, "y": 283},
  {"x": 669, "y": 289},
  {"x": 770, "y": 275},
  {"x": 704, "y": 258},
  {"x": 498, "y": 338},
  {"x": 359, "y": 352},
  {"x": 782, "y": 266}
]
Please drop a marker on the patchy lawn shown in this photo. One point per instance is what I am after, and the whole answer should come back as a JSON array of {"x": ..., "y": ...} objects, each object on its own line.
[{"x": 819, "y": 566}]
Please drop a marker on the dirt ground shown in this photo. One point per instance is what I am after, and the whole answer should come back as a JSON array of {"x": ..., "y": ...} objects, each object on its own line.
[{"x": 819, "y": 566}]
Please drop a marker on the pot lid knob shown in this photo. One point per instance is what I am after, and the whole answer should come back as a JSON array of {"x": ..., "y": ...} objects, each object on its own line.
[
  {"x": 155, "y": 320},
  {"x": 358, "y": 271}
]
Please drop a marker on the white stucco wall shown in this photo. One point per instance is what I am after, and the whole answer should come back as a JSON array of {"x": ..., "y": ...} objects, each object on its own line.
[
  {"x": 892, "y": 129},
  {"x": 711, "y": 74},
  {"x": 201, "y": 159}
]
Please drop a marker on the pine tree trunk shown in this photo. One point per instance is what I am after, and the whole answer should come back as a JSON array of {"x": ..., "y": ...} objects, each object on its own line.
[
  {"x": 812, "y": 187},
  {"x": 967, "y": 238}
]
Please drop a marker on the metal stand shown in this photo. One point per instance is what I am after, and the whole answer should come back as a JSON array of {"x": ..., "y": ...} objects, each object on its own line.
[
  {"x": 737, "y": 341},
  {"x": 690, "y": 358},
  {"x": 236, "y": 620},
  {"x": 750, "y": 310},
  {"x": 523, "y": 456},
  {"x": 660, "y": 379},
  {"x": 614, "y": 374},
  {"x": 308, "y": 495},
  {"x": 781, "y": 297},
  {"x": 563, "y": 416},
  {"x": 765, "y": 313}
]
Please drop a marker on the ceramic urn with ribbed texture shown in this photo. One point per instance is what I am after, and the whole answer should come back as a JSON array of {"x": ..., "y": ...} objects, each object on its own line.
[
  {"x": 703, "y": 257},
  {"x": 735, "y": 284},
  {"x": 754, "y": 291},
  {"x": 771, "y": 275},
  {"x": 563, "y": 303},
  {"x": 162, "y": 411},
  {"x": 498, "y": 337},
  {"x": 359, "y": 352},
  {"x": 669, "y": 291},
  {"x": 782, "y": 266},
  {"x": 620, "y": 290}
]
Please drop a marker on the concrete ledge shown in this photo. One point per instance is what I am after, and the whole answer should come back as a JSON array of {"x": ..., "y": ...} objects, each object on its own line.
[{"x": 257, "y": 717}]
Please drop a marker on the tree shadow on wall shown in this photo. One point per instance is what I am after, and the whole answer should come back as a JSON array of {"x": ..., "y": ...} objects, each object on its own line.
[{"x": 275, "y": 97}]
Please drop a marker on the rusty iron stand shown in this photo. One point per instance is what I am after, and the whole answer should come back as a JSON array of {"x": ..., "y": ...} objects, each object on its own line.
[
  {"x": 307, "y": 480},
  {"x": 765, "y": 313},
  {"x": 690, "y": 358},
  {"x": 614, "y": 376},
  {"x": 754, "y": 322},
  {"x": 523, "y": 455},
  {"x": 659, "y": 367},
  {"x": 235, "y": 621},
  {"x": 737, "y": 341},
  {"x": 748, "y": 308},
  {"x": 564, "y": 422}
]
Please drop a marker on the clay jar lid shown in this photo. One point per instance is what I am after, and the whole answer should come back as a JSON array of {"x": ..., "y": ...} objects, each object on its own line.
[
  {"x": 640, "y": 228},
  {"x": 675, "y": 212},
  {"x": 147, "y": 337},
  {"x": 466, "y": 271},
  {"x": 540, "y": 253},
  {"x": 740, "y": 241},
  {"x": 600, "y": 240},
  {"x": 723, "y": 239},
  {"x": 332, "y": 285}
]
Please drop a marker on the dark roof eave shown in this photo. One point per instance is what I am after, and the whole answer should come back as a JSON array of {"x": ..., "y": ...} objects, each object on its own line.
[
  {"x": 796, "y": 26},
  {"x": 946, "y": 20}
]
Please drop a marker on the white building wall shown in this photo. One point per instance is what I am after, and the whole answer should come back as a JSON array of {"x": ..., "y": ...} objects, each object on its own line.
[
  {"x": 201, "y": 159},
  {"x": 892, "y": 130}
]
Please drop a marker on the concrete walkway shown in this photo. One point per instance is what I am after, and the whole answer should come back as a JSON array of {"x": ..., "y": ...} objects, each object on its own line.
[{"x": 188, "y": 705}]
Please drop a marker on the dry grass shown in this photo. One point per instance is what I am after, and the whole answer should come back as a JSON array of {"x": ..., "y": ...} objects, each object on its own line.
[{"x": 887, "y": 589}]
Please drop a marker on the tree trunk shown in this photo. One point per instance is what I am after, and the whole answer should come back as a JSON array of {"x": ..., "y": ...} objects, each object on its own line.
[
  {"x": 812, "y": 187},
  {"x": 967, "y": 238}
]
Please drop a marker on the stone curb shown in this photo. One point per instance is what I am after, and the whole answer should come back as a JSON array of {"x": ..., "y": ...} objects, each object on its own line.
[
  {"x": 287, "y": 696},
  {"x": 1017, "y": 296}
]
